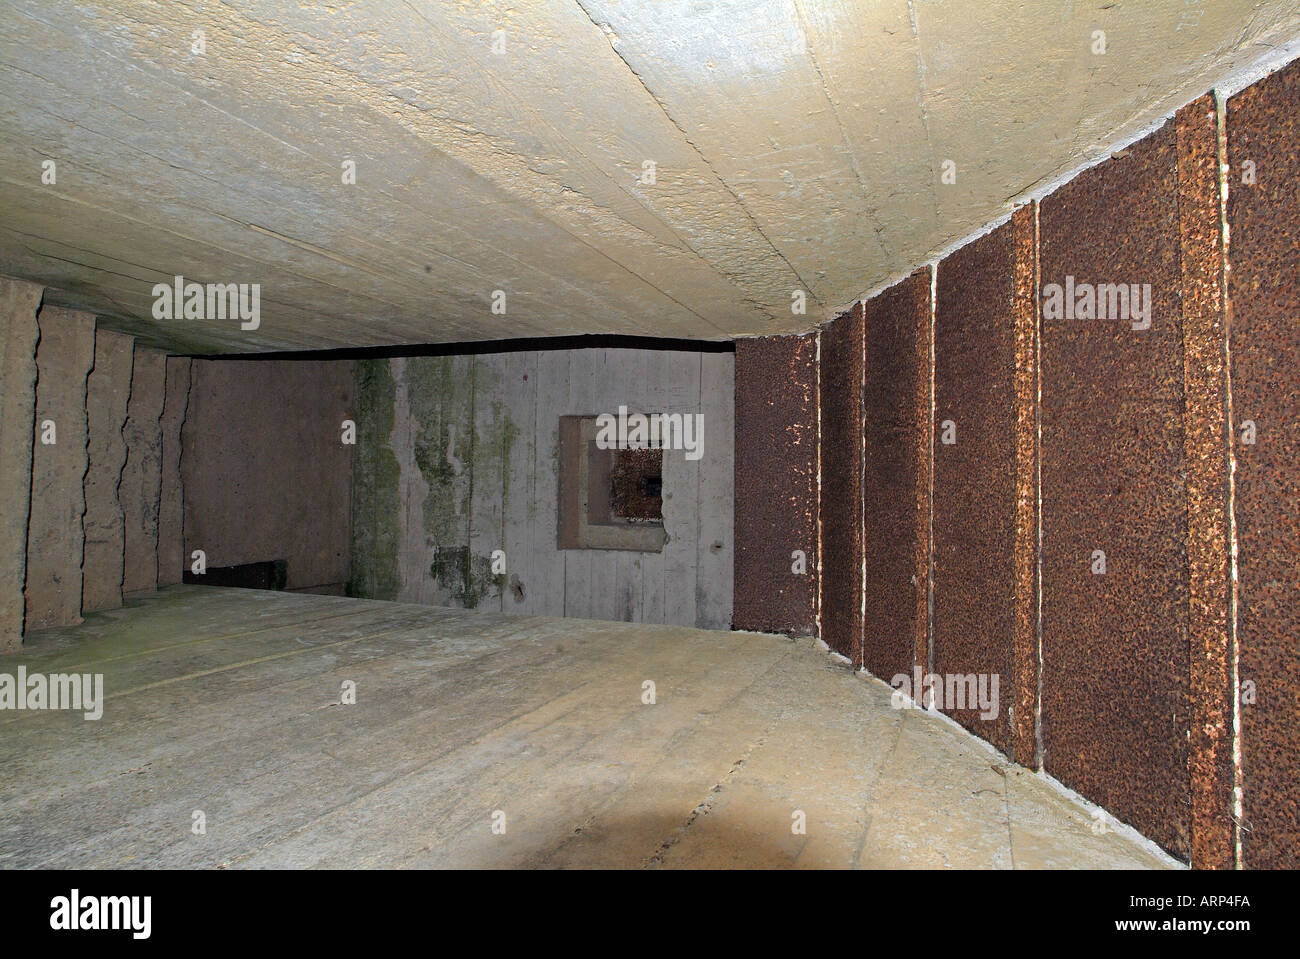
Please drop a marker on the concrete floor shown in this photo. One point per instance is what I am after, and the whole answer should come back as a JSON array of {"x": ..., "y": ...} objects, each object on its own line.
[{"x": 227, "y": 701}]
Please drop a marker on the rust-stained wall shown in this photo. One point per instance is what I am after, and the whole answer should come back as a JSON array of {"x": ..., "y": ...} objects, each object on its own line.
[
  {"x": 776, "y": 484},
  {"x": 1122, "y": 428},
  {"x": 1116, "y": 709},
  {"x": 896, "y": 476},
  {"x": 1205, "y": 445},
  {"x": 984, "y": 516},
  {"x": 1263, "y": 125},
  {"x": 840, "y": 507}
]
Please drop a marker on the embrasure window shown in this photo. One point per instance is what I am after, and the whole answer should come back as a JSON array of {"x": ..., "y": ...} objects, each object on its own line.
[{"x": 609, "y": 498}]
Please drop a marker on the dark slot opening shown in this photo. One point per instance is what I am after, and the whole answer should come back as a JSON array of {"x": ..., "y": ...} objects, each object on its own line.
[{"x": 272, "y": 574}]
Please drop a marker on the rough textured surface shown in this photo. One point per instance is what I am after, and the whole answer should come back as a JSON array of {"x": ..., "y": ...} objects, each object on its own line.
[
  {"x": 460, "y": 714},
  {"x": 896, "y": 479},
  {"x": 141, "y": 483},
  {"x": 1027, "y": 659},
  {"x": 1263, "y": 125},
  {"x": 776, "y": 484},
  {"x": 107, "y": 389},
  {"x": 840, "y": 502},
  {"x": 1206, "y": 444},
  {"x": 265, "y": 471},
  {"x": 979, "y": 557},
  {"x": 1116, "y": 710},
  {"x": 64, "y": 356},
  {"x": 459, "y": 457},
  {"x": 377, "y": 513},
  {"x": 171, "y": 539},
  {"x": 776, "y": 167},
  {"x": 18, "y": 334}
]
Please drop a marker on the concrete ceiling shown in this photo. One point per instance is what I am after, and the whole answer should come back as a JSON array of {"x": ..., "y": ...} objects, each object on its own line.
[{"x": 797, "y": 145}]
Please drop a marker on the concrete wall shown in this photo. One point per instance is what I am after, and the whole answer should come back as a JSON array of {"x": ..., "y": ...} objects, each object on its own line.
[
  {"x": 171, "y": 539},
  {"x": 19, "y": 302},
  {"x": 141, "y": 487},
  {"x": 265, "y": 471},
  {"x": 458, "y": 456},
  {"x": 83, "y": 475},
  {"x": 107, "y": 390},
  {"x": 55, "y": 540}
]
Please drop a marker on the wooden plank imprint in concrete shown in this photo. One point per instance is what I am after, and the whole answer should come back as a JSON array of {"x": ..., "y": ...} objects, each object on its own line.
[{"x": 229, "y": 702}]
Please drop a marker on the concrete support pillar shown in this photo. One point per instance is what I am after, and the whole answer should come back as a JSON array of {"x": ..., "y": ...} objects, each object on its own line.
[
  {"x": 64, "y": 357},
  {"x": 18, "y": 333},
  {"x": 141, "y": 486},
  {"x": 171, "y": 546},
  {"x": 107, "y": 389}
]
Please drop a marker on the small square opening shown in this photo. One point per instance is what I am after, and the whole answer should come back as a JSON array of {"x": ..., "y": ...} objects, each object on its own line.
[{"x": 609, "y": 498}]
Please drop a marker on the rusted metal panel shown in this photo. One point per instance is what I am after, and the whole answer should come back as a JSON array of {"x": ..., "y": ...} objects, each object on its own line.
[
  {"x": 984, "y": 494},
  {"x": 776, "y": 485},
  {"x": 898, "y": 377},
  {"x": 841, "y": 484},
  {"x": 1263, "y": 123},
  {"x": 1116, "y": 710}
]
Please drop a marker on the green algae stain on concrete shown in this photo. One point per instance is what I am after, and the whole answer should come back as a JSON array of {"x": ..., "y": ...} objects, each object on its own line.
[
  {"x": 508, "y": 443},
  {"x": 375, "y": 506},
  {"x": 465, "y": 448},
  {"x": 445, "y": 394},
  {"x": 440, "y": 396},
  {"x": 488, "y": 481},
  {"x": 433, "y": 465},
  {"x": 467, "y": 577}
]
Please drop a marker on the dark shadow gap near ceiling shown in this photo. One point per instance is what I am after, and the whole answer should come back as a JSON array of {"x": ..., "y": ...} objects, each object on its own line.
[{"x": 596, "y": 341}]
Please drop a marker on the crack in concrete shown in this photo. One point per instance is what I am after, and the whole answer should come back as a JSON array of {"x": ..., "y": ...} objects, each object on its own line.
[
  {"x": 920, "y": 102},
  {"x": 876, "y": 226},
  {"x": 1006, "y": 809},
  {"x": 871, "y": 788},
  {"x": 505, "y": 92},
  {"x": 676, "y": 740},
  {"x": 604, "y": 29},
  {"x": 705, "y": 805},
  {"x": 406, "y": 201}
]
